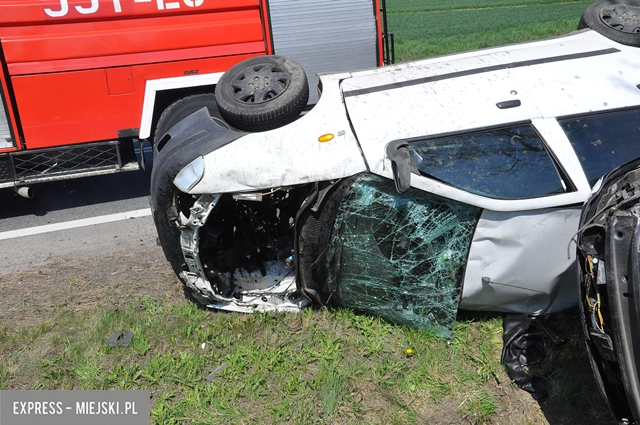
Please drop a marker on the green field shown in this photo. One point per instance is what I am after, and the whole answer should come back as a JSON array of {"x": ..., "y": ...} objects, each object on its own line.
[{"x": 430, "y": 28}]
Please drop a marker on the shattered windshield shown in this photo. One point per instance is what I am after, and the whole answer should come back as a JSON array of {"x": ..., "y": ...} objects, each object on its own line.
[
  {"x": 398, "y": 256},
  {"x": 505, "y": 163}
]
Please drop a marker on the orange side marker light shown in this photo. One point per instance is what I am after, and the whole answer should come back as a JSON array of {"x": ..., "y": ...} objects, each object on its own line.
[{"x": 325, "y": 138}]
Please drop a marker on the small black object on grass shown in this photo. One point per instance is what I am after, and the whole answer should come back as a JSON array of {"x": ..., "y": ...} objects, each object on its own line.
[{"x": 118, "y": 339}]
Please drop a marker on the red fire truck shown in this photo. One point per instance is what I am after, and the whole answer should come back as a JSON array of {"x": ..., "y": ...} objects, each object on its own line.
[{"x": 84, "y": 82}]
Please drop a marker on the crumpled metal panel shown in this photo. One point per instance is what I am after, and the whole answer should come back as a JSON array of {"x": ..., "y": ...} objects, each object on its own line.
[
  {"x": 400, "y": 257},
  {"x": 523, "y": 262},
  {"x": 289, "y": 155}
]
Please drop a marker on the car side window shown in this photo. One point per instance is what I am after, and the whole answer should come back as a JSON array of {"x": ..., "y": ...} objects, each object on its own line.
[
  {"x": 503, "y": 163},
  {"x": 604, "y": 141}
]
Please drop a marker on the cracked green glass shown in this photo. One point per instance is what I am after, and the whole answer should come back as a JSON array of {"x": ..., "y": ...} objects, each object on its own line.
[{"x": 400, "y": 256}]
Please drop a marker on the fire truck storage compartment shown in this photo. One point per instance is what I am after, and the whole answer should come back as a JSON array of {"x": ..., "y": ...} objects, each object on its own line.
[
  {"x": 63, "y": 69},
  {"x": 325, "y": 36}
]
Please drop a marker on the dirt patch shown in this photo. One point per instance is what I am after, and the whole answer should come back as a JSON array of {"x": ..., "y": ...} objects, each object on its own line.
[{"x": 32, "y": 297}]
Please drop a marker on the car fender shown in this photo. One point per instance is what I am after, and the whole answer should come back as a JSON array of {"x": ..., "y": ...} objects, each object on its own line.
[
  {"x": 153, "y": 87},
  {"x": 319, "y": 146}
]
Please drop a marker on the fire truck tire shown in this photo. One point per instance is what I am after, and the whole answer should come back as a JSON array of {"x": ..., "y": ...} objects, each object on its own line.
[
  {"x": 618, "y": 20},
  {"x": 180, "y": 110},
  {"x": 262, "y": 93}
]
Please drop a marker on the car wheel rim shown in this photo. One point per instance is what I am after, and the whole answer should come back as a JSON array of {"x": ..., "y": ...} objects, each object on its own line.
[
  {"x": 260, "y": 83},
  {"x": 622, "y": 17}
]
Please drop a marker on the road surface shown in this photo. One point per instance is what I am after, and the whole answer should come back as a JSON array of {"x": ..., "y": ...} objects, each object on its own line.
[{"x": 81, "y": 218}]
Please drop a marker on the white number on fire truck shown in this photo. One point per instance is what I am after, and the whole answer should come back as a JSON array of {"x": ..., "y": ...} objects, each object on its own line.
[{"x": 95, "y": 5}]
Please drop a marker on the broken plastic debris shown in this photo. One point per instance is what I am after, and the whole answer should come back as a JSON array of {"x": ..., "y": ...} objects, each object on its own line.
[
  {"x": 118, "y": 340},
  {"x": 218, "y": 370}
]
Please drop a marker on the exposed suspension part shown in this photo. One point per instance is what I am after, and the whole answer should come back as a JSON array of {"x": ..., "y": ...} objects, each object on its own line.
[{"x": 239, "y": 251}]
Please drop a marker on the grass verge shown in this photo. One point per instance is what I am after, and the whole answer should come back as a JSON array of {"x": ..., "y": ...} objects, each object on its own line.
[{"x": 318, "y": 367}]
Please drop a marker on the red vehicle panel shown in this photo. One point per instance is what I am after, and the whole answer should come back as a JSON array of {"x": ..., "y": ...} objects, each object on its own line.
[
  {"x": 20, "y": 12},
  {"x": 78, "y": 94},
  {"x": 75, "y": 74},
  {"x": 117, "y": 43}
]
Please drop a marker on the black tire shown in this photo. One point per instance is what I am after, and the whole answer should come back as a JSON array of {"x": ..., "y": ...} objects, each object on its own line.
[
  {"x": 618, "y": 20},
  {"x": 180, "y": 110},
  {"x": 280, "y": 98},
  {"x": 314, "y": 234},
  {"x": 170, "y": 206},
  {"x": 174, "y": 203}
]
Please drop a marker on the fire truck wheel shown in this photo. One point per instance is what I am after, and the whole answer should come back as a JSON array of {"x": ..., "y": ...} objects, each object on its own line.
[
  {"x": 180, "y": 110},
  {"x": 262, "y": 93},
  {"x": 618, "y": 20}
]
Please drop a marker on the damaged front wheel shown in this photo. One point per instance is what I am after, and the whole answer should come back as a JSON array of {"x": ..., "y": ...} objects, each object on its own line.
[
  {"x": 232, "y": 251},
  {"x": 235, "y": 250}
]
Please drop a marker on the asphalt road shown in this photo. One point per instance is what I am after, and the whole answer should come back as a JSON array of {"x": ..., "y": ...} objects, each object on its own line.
[{"x": 81, "y": 218}]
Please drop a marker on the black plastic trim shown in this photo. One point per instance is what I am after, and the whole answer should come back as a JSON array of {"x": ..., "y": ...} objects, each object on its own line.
[
  {"x": 507, "y": 104},
  {"x": 196, "y": 135},
  {"x": 128, "y": 132},
  {"x": 401, "y": 165},
  {"x": 622, "y": 240}
]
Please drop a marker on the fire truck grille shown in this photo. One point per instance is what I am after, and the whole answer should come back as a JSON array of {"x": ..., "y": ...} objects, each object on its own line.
[
  {"x": 43, "y": 163},
  {"x": 5, "y": 169}
]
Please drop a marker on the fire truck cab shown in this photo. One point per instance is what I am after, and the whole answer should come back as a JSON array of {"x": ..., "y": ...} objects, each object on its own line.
[{"x": 84, "y": 82}]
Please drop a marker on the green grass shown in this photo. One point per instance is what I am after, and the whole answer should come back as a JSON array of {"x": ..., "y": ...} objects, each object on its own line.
[
  {"x": 321, "y": 366},
  {"x": 403, "y": 6},
  {"x": 439, "y": 31}
]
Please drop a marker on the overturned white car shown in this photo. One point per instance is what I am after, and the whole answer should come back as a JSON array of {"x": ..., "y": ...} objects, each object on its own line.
[{"x": 409, "y": 191}]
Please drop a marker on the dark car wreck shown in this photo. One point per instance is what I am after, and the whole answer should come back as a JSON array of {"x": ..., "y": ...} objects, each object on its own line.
[
  {"x": 409, "y": 191},
  {"x": 609, "y": 258}
]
